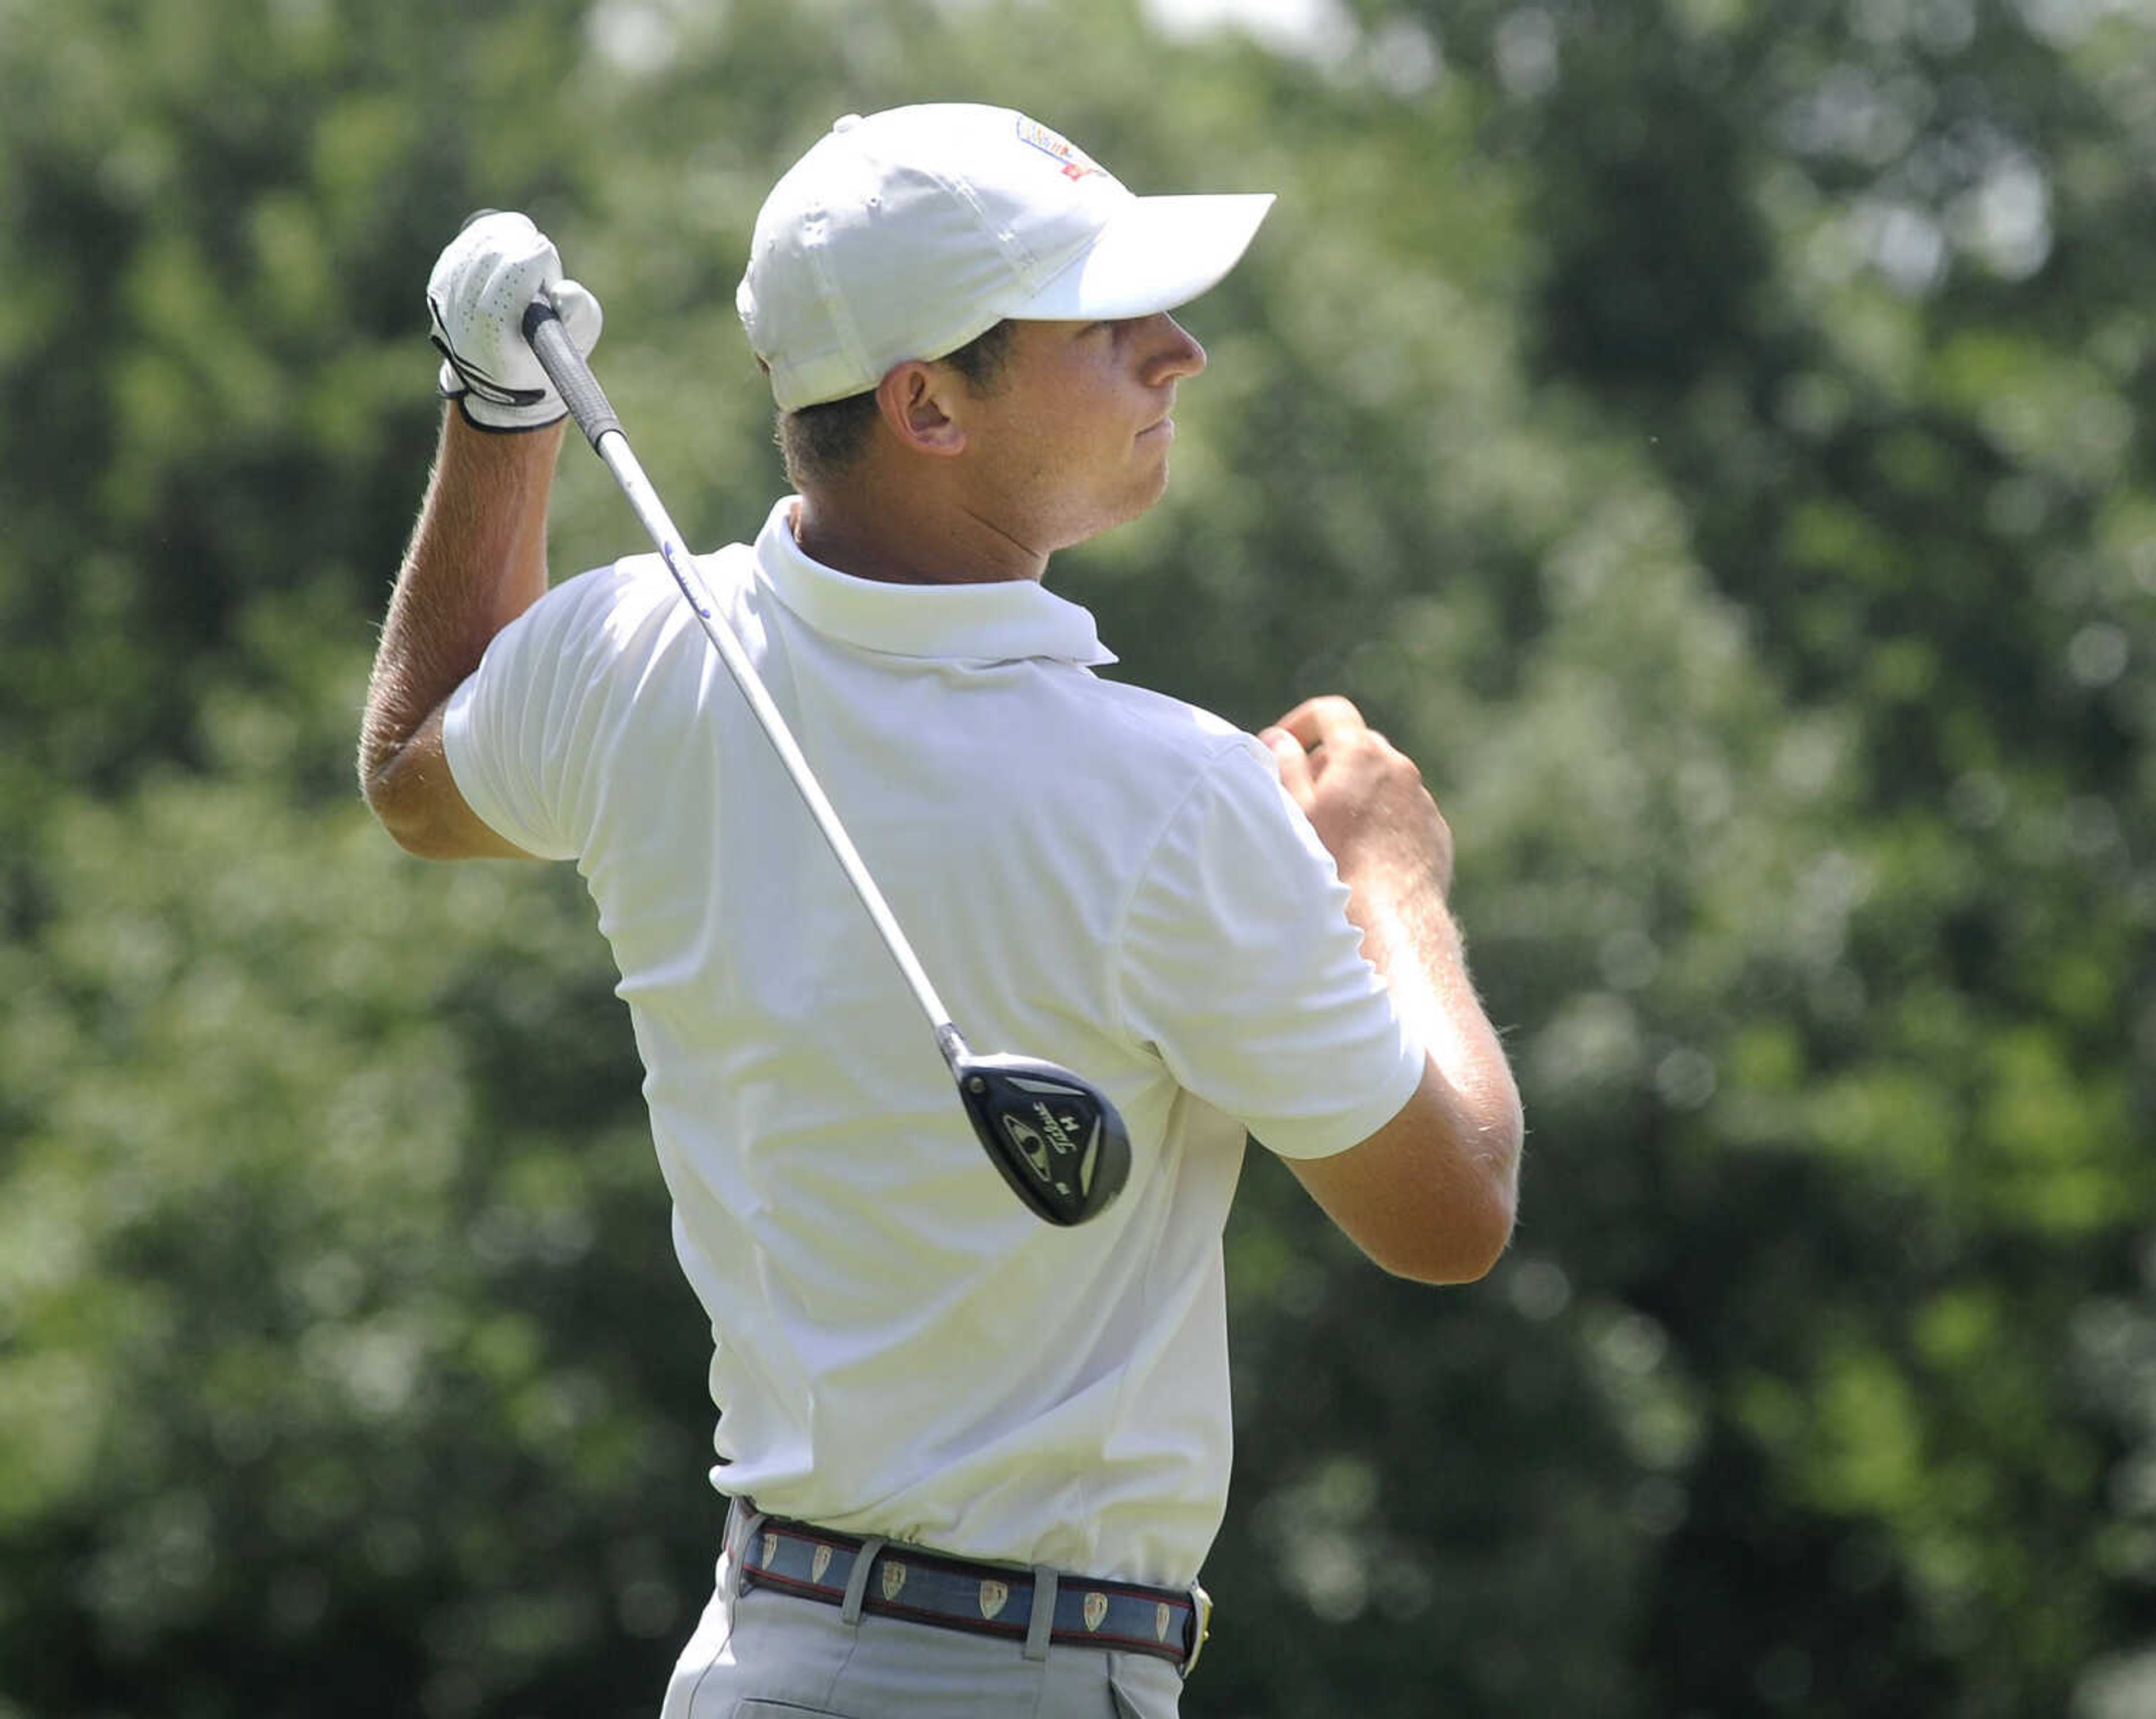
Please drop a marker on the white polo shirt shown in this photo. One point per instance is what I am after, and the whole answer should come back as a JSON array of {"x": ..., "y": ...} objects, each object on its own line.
[{"x": 1090, "y": 873}]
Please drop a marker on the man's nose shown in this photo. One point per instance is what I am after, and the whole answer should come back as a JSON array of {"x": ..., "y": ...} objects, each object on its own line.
[{"x": 1176, "y": 354}]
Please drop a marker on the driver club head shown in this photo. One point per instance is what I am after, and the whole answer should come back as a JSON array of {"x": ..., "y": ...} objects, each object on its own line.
[{"x": 1057, "y": 1140}]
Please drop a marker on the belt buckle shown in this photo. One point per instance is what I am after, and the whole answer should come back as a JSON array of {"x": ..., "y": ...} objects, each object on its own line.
[{"x": 1201, "y": 1623}]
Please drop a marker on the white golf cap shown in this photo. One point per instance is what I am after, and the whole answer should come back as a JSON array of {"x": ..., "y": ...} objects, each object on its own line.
[{"x": 907, "y": 233}]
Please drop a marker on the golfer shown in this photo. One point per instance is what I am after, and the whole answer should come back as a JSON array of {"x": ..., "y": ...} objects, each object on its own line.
[{"x": 975, "y": 1461}]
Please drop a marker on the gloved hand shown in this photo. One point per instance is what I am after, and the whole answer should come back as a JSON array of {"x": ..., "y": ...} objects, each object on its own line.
[{"x": 477, "y": 298}]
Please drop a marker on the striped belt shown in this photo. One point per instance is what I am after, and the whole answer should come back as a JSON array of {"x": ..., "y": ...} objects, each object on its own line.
[{"x": 1037, "y": 1606}]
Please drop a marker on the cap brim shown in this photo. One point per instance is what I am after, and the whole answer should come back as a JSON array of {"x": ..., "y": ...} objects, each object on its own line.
[{"x": 1154, "y": 253}]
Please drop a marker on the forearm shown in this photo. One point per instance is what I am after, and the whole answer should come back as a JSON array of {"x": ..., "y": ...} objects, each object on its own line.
[
  {"x": 1409, "y": 935},
  {"x": 477, "y": 560},
  {"x": 1433, "y": 1194}
]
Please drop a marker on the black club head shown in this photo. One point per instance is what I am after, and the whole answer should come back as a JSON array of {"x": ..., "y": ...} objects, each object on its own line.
[{"x": 1057, "y": 1140}]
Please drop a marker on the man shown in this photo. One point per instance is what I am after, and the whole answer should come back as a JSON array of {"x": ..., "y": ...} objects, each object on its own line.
[{"x": 976, "y": 1461}]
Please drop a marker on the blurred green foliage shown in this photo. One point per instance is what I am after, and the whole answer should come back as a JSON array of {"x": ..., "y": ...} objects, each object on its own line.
[{"x": 1708, "y": 434}]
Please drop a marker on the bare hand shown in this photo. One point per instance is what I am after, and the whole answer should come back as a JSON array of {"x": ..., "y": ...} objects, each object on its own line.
[{"x": 1363, "y": 796}]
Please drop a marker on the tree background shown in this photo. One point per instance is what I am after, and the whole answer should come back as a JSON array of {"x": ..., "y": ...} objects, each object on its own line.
[{"x": 1710, "y": 435}]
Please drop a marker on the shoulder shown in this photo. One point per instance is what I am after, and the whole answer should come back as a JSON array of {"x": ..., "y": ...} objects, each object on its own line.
[
  {"x": 1153, "y": 730},
  {"x": 1194, "y": 802},
  {"x": 631, "y": 607}
]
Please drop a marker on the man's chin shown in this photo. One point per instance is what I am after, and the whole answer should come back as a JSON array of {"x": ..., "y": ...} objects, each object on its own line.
[{"x": 1143, "y": 500}]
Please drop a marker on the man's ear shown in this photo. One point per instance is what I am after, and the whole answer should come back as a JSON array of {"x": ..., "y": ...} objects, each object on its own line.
[{"x": 913, "y": 400}]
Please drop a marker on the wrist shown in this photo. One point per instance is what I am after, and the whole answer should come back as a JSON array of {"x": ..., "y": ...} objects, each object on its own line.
[
  {"x": 494, "y": 416},
  {"x": 1397, "y": 870},
  {"x": 490, "y": 460}
]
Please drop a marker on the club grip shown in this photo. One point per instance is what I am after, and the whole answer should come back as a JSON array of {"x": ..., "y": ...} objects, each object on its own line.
[{"x": 566, "y": 368}]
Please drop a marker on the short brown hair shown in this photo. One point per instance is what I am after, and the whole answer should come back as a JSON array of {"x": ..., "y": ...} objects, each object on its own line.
[{"x": 821, "y": 443}]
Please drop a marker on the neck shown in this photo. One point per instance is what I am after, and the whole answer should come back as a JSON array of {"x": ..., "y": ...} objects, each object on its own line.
[{"x": 901, "y": 536}]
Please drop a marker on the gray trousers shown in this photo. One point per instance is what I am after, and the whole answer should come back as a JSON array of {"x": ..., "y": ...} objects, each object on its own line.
[{"x": 764, "y": 1655}]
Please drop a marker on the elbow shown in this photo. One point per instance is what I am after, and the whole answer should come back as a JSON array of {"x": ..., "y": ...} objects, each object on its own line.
[
  {"x": 422, "y": 842},
  {"x": 404, "y": 777},
  {"x": 1475, "y": 1210},
  {"x": 413, "y": 796},
  {"x": 397, "y": 799},
  {"x": 1494, "y": 1177},
  {"x": 1431, "y": 1196},
  {"x": 410, "y": 832},
  {"x": 1464, "y": 1249}
]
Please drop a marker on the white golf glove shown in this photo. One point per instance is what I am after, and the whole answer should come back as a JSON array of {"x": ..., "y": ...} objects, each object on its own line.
[{"x": 477, "y": 298}]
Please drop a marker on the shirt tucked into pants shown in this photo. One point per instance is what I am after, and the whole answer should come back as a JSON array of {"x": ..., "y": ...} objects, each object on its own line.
[{"x": 765, "y": 1654}]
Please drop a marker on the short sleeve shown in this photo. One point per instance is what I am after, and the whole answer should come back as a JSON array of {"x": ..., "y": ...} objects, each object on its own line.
[
  {"x": 525, "y": 732},
  {"x": 1238, "y": 963}
]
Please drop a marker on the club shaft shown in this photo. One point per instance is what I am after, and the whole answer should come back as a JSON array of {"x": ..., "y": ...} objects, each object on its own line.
[{"x": 579, "y": 389}]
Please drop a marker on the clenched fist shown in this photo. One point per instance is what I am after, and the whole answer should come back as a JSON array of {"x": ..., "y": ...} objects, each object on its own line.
[
  {"x": 483, "y": 282},
  {"x": 1362, "y": 795}
]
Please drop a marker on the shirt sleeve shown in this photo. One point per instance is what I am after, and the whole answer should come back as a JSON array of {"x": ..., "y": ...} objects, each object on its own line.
[
  {"x": 1239, "y": 966},
  {"x": 525, "y": 732}
]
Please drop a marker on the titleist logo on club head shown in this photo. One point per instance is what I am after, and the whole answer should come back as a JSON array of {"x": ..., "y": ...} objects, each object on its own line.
[
  {"x": 1031, "y": 1147},
  {"x": 1047, "y": 1149},
  {"x": 1058, "y": 1135}
]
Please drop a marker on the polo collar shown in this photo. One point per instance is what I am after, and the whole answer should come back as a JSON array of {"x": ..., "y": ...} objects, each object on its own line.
[{"x": 1005, "y": 621}]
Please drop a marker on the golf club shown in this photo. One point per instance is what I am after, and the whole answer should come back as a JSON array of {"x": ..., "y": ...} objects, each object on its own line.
[{"x": 1057, "y": 1140}]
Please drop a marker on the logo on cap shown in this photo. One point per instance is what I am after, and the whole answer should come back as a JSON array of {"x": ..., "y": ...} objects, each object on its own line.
[{"x": 1076, "y": 164}]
